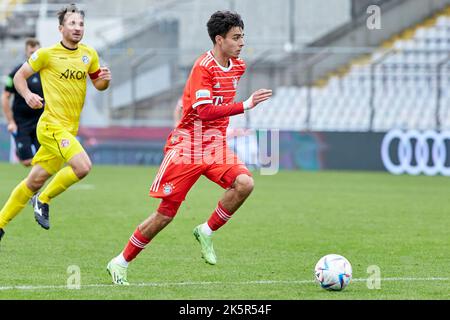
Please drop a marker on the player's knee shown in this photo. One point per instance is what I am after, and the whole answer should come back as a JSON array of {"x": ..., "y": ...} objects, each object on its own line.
[
  {"x": 35, "y": 182},
  {"x": 244, "y": 184},
  {"x": 82, "y": 169},
  {"x": 168, "y": 209}
]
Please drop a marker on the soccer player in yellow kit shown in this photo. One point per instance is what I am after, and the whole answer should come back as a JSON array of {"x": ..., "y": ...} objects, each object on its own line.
[{"x": 64, "y": 69}]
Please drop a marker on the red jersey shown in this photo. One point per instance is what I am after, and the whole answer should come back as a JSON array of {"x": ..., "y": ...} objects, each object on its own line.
[{"x": 208, "y": 102}]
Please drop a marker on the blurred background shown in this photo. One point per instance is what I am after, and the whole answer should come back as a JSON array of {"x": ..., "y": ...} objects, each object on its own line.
[{"x": 344, "y": 74}]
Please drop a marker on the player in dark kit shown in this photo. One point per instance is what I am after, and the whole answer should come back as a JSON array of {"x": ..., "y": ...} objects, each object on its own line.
[{"x": 22, "y": 119}]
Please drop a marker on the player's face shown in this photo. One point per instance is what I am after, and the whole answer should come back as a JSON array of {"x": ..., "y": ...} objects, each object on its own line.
[
  {"x": 233, "y": 42},
  {"x": 73, "y": 28},
  {"x": 30, "y": 50}
]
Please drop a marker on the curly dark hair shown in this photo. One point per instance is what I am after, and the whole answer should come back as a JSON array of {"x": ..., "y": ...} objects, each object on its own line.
[
  {"x": 221, "y": 22},
  {"x": 71, "y": 8}
]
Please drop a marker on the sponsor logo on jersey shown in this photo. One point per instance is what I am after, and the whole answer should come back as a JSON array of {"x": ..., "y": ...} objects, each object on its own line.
[
  {"x": 218, "y": 100},
  {"x": 217, "y": 86},
  {"x": 202, "y": 94},
  {"x": 73, "y": 75},
  {"x": 34, "y": 56}
]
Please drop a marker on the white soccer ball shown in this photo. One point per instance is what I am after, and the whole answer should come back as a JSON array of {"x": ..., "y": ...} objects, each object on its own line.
[{"x": 333, "y": 272}]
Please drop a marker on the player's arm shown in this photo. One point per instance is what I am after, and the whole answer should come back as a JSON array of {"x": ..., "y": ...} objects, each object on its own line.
[
  {"x": 101, "y": 78},
  {"x": 208, "y": 112},
  {"x": 100, "y": 75},
  {"x": 20, "y": 83},
  {"x": 6, "y": 106},
  {"x": 203, "y": 100},
  {"x": 6, "y": 102}
]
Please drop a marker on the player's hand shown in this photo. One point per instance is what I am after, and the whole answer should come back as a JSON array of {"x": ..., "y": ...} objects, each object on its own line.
[
  {"x": 105, "y": 73},
  {"x": 34, "y": 101},
  {"x": 257, "y": 97},
  {"x": 12, "y": 127}
]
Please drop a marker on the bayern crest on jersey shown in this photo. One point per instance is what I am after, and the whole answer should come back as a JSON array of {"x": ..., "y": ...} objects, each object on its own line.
[{"x": 235, "y": 82}]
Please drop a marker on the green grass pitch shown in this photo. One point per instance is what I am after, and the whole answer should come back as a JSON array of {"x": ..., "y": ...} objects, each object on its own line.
[{"x": 267, "y": 251}]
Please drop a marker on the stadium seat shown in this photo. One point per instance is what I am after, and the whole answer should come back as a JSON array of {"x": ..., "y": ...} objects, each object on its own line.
[{"x": 405, "y": 91}]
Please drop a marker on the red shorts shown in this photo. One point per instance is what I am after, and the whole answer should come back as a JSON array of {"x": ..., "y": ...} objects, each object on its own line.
[{"x": 175, "y": 178}]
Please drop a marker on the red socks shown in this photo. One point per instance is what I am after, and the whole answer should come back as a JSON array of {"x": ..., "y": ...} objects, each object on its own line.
[
  {"x": 219, "y": 217},
  {"x": 136, "y": 244}
]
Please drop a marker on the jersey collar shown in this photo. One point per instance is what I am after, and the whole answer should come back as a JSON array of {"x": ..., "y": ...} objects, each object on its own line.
[
  {"x": 62, "y": 44},
  {"x": 220, "y": 66}
]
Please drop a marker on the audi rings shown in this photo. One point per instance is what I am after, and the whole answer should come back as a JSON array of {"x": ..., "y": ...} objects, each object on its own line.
[{"x": 426, "y": 162}]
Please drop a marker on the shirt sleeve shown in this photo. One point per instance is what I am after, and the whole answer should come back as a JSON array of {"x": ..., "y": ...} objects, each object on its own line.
[
  {"x": 9, "y": 83},
  {"x": 201, "y": 87},
  {"x": 209, "y": 112},
  {"x": 39, "y": 60},
  {"x": 94, "y": 68}
]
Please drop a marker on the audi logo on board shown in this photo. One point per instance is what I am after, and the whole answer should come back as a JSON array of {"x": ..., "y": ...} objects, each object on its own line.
[{"x": 416, "y": 152}]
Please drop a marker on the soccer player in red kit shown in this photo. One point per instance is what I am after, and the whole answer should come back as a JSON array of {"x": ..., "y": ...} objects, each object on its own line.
[{"x": 197, "y": 146}]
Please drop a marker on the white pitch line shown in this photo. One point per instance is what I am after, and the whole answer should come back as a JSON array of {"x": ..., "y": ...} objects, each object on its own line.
[{"x": 204, "y": 283}]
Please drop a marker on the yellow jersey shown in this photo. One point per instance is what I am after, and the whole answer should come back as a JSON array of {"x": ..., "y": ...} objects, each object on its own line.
[{"x": 64, "y": 75}]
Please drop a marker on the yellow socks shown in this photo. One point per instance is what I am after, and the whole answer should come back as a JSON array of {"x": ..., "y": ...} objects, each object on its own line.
[
  {"x": 16, "y": 202},
  {"x": 22, "y": 194},
  {"x": 60, "y": 183}
]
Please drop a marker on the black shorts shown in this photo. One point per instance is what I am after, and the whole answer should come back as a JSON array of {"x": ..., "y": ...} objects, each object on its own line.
[{"x": 27, "y": 143}]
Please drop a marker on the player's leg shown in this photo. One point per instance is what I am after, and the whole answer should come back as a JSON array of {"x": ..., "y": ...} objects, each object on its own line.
[
  {"x": 172, "y": 183},
  {"x": 79, "y": 167},
  {"x": 238, "y": 181},
  {"x": 24, "y": 150},
  {"x": 141, "y": 237},
  {"x": 236, "y": 195},
  {"x": 62, "y": 147},
  {"x": 22, "y": 194}
]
